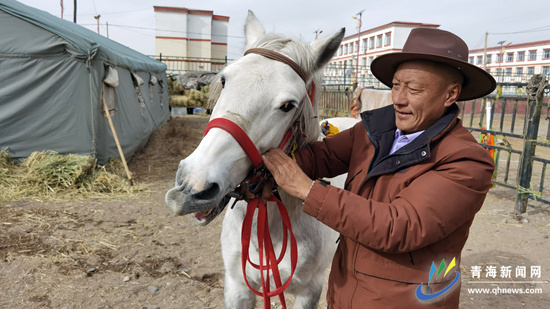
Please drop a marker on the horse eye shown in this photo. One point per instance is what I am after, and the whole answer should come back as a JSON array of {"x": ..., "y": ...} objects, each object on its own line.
[
  {"x": 288, "y": 106},
  {"x": 222, "y": 79}
]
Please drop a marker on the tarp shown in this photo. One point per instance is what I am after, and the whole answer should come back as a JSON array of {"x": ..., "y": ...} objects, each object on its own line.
[{"x": 52, "y": 74}]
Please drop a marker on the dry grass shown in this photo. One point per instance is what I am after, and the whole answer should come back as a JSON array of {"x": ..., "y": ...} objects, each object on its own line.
[{"x": 51, "y": 176}]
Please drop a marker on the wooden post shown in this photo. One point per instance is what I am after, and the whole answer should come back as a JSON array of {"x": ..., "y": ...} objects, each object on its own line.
[
  {"x": 525, "y": 170},
  {"x": 117, "y": 141}
]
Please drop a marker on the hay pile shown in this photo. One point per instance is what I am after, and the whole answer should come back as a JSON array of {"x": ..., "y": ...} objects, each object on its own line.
[
  {"x": 49, "y": 175},
  {"x": 181, "y": 97}
]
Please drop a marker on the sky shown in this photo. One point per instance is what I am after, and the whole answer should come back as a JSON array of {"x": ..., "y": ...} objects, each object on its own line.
[{"x": 132, "y": 22}]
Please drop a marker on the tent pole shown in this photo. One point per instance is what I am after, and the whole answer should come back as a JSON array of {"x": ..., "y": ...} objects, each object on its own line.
[{"x": 116, "y": 141}]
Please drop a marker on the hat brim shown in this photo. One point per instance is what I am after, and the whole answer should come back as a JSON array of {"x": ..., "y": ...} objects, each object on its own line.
[{"x": 477, "y": 82}]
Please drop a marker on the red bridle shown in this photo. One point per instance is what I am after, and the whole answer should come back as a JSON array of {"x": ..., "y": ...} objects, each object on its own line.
[{"x": 264, "y": 238}]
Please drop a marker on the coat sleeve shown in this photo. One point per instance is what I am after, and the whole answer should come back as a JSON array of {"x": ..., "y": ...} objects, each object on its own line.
[
  {"x": 329, "y": 157},
  {"x": 427, "y": 210}
]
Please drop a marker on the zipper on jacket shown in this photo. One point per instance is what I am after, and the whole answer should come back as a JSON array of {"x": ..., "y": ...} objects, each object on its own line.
[{"x": 411, "y": 256}]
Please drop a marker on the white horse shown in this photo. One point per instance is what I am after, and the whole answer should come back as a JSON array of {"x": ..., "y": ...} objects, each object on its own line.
[{"x": 265, "y": 98}]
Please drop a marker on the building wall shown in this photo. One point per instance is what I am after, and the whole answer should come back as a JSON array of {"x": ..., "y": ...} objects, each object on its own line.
[
  {"x": 190, "y": 39},
  {"x": 219, "y": 37}
]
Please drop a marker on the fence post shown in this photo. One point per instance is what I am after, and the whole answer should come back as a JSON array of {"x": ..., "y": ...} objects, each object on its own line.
[{"x": 535, "y": 94}]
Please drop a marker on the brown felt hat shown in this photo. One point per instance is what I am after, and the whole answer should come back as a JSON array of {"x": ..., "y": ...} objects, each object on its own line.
[{"x": 438, "y": 46}]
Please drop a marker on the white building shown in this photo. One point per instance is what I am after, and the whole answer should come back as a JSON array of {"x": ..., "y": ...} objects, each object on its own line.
[
  {"x": 197, "y": 39},
  {"x": 369, "y": 44},
  {"x": 514, "y": 63}
]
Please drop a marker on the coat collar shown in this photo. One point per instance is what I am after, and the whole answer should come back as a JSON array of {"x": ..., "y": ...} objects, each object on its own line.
[{"x": 380, "y": 126}]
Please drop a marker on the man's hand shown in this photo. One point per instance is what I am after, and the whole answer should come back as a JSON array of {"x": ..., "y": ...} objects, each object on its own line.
[{"x": 287, "y": 173}]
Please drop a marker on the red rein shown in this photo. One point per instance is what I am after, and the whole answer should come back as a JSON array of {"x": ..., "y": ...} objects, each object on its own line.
[{"x": 268, "y": 260}]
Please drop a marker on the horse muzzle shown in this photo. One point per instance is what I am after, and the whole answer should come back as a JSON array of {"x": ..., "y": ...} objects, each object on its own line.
[{"x": 203, "y": 205}]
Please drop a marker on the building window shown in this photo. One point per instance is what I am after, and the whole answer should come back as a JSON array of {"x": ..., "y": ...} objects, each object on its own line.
[
  {"x": 379, "y": 41},
  {"x": 521, "y": 56},
  {"x": 545, "y": 70},
  {"x": 340, "y": 51},
  {"x": 498, "y": 71},
  {"x": 387, "y": 39},
  {"x": 499, "y": 58},
  {"x": 371, "y": 43},
  {"x": 479, "y": 60},
  {"x": 532, "y": 55},
  {"x": 364, "y": 62},
  {"x": 546, "y": 54},
  {"x": 509, "y": 57},
  {"x": 371, "y": 58},
  {"x": 345, "y": 49},
  {"x": 488, "y": 60},
  {"x": 471, "y": 60},
  {"x": 365, "y": 46},
  {"x": 519, "y": 71},
  {"x": 351, "y": 45},
  {"x": 508, "y": 71},
  {"x": 530, "y": 70}
]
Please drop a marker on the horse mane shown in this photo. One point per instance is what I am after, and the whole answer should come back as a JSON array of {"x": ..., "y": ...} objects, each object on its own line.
[{"x": 307, "y": 117}]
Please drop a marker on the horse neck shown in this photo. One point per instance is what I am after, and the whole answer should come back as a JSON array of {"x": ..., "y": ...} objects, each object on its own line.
[{"x": 293, "y": 206}]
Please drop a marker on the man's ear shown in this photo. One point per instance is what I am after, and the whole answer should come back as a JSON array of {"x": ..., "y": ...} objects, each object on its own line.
[{"x": 453, "y": 91}]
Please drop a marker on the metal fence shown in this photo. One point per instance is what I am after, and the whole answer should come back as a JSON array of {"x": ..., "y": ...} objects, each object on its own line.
[
  {"x": 175, "y": 64},
  {"x": 335, "y": 101},
  {"x": 517, "y": 126}
]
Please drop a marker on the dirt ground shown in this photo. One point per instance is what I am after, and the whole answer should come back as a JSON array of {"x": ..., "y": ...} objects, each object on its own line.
[{"x": 135, "y": 253}]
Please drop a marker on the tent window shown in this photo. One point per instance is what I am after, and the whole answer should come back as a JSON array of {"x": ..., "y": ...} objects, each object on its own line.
[
  {"x": 138, "y": 81},
  {"x": 110, "y": 82},
  {"x": 109, "y": 97},
  {"x": 152, "y": 82},
  {"x": 161, "y": 90}
]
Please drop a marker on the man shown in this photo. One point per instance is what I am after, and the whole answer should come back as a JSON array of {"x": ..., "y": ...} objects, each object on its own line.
[{"x": 416, "y": 178}]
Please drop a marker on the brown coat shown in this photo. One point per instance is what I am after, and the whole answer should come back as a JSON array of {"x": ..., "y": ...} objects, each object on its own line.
[{"x": 398, "y": 214}]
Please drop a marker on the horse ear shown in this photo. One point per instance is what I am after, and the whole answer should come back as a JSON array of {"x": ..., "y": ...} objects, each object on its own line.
[
  {"x": 326, "y": 48},
  {"x": 253, "y": 29}
]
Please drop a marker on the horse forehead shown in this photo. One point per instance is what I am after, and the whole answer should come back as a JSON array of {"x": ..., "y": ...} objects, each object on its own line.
[{"x": 263, "y": 70}]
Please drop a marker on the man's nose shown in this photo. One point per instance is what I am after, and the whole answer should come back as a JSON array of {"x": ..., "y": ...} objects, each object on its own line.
[{"x": 398, "y": 96}]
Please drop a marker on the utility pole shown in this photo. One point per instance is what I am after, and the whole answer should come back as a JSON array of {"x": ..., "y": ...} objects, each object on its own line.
[
  {"x": 74, "y": 12},
  {"x": 97, "y": 18},
  {"x": 107, "y": 24},
  {"x": 485, "y": 52},
  {"x": 359, "y": 21}
]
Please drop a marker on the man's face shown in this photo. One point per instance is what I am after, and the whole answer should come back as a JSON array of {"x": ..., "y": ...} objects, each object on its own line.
[{"x": 421, "y": 92}]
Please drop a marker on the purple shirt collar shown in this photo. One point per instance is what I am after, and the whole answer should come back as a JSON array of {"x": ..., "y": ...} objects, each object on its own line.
[{"x": 403, "y": 139}]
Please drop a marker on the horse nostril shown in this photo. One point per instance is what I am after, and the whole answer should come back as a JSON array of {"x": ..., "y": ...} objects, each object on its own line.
[{"x": 210, "y": 192}]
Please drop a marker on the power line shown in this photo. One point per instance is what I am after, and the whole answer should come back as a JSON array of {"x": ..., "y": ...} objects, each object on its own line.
[
  {"x": 539, "y": 29},
  {"x": 166, "y": 30}
]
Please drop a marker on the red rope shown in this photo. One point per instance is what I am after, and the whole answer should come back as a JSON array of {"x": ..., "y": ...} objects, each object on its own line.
[{"x": 266, "y": 250}]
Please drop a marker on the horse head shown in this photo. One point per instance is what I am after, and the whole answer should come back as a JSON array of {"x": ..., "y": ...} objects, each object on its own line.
[{"x": 264, "y": 98}]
